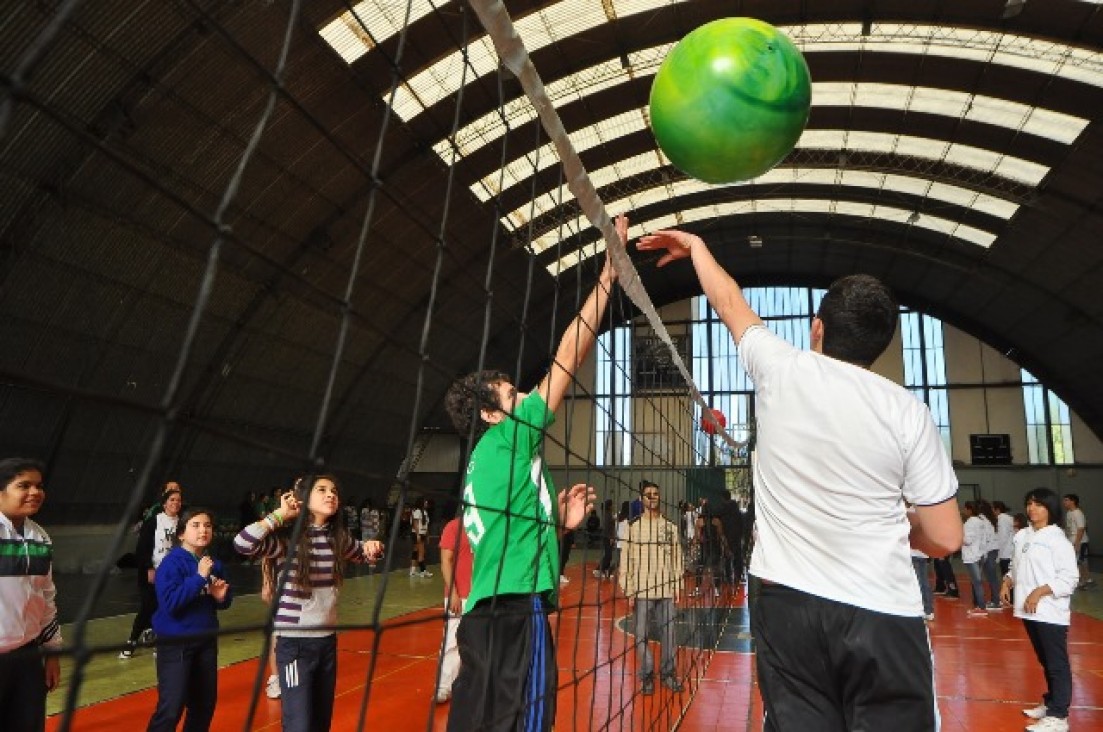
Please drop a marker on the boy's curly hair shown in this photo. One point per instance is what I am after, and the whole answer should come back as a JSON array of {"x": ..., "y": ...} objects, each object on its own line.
[{"x": 468, "y": 395}]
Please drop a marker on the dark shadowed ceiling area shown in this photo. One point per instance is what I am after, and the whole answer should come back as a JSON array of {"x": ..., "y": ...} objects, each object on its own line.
[{"x": 149, "y": 148}]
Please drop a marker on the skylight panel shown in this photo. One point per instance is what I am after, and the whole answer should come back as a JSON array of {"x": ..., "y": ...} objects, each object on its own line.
[
  {"x": 566, "y": 18},
  {"x": 382, "y": 19},
  {"x": 795, "y": 206},
  {"x": 584, "y": 139},
  {"x": 424, "y": 89},
  {"x": 942, "y": 192},
  {"x": 1046, "y": 123},
  {"x": 1001, "y": 49},
  {"x": 1016, "y": 169},
  {"x": 1076, "y": 64}
]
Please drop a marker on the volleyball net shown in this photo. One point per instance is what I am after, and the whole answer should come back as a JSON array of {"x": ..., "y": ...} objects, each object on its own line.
[{"x": 634, "y": 415}]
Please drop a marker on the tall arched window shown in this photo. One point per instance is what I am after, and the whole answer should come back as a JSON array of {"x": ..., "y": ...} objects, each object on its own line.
[
  {"x": 925, "y": 367},
  {"x": 1048, "y": 424}
]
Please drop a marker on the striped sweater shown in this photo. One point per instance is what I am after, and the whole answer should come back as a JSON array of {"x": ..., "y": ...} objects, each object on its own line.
[
  {"x": 298, "y": 611},
  {"x": 27, "y": 610}
]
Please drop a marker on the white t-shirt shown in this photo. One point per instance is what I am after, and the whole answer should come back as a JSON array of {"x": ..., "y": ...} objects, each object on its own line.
[
  {"x": 1074, "y": 521},
  {"x": 1005, "y": 534},
  {"x": 164, "y": 537},
  {"x": 1044, "y": 557},
  {"x": 979, "y": 539},
  {"x": 839, "y": 449},
  {"x": 419, "y": 522}
]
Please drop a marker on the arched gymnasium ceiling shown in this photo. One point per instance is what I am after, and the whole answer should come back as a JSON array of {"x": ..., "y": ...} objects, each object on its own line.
[{"x": 956, "y": 153}]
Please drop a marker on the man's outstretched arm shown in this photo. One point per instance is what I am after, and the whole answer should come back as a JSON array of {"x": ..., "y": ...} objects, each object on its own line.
[
  {"x": 722, "y": 290},
  {"x": 578, "y": 339}
]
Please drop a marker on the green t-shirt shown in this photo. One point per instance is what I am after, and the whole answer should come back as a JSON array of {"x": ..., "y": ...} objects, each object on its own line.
[{"x": 508, "y": 508}]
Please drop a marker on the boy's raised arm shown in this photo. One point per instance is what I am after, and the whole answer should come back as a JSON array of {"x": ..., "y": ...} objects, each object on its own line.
[{"x": 578, "y": 338}]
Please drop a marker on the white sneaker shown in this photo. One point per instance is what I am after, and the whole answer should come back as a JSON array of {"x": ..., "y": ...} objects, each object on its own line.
[
  {"x": 598, "y": 574},
  {"x": 929, "y": 617},
  {"x": 426, "y": 573},
  {"x": 563, "y": 579},
  {"x": 1050, "y": 724},
  {"x": 1037, "y": 712},
  {"x": 272, "y": 688},
  {"x": 413, "y": 573},
  {"x": 443, "y": 696}
]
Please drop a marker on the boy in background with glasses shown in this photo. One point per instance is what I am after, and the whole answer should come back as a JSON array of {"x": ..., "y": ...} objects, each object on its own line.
[{"x": 651, "y": 575}]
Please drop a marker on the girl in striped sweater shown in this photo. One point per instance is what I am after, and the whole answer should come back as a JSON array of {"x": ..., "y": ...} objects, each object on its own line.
[{"x": 306, "y": 604}]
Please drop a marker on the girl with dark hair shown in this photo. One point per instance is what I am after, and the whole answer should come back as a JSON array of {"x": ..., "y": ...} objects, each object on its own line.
[
  {"x": 990, "y": 564},
  {"x": 306, "y": 643},
  {"x": 190, "y": 589},
  {"x": 1039, "y": 586},
  {"x": 979, "y": 533},
  {"x": 155, "y": 539}
]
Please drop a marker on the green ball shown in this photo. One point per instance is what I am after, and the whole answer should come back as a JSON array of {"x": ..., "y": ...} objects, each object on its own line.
[{"x": 730, "y": 100}]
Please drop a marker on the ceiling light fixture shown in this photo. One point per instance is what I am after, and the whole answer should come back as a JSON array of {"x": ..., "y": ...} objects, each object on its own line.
[{"x": 1012, "y": 8}]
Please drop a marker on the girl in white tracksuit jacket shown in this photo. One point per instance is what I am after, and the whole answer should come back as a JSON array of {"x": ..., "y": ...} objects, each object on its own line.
[{"x": 1039, "y": 586}]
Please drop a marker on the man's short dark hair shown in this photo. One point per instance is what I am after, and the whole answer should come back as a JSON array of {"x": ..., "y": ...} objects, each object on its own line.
[
  {"x": 1074, "y": 498},
  {"x": 470, "y": 394},
  {"x": 11, "y": 467},
  {"x": 645, "y": 484},
  {"x": 1047, "y": 498},
  {"x": 859, "y": 315}
]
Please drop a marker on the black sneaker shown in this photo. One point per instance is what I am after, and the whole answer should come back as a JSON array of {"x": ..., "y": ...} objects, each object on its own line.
[
  {"x": 648, "y": 685},
  {"x": 672, "y": 683}
]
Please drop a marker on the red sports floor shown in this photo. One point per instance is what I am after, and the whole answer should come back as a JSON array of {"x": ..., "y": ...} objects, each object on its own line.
[{"x": 985, "y": 674}]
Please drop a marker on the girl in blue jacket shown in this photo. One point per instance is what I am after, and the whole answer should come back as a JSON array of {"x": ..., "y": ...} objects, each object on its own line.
[{"x": 190, "y": 589}]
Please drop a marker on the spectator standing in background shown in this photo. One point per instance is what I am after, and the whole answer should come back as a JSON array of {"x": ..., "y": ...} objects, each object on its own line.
[
  {"x": 1076, "y": 529},
  {"x": 608, "y": 540},
  {"x": 155, "y": 539},
  {"x": 419, "y": 531},
  {"x": 651, "y": 575},
  {"x": 455, "y": 569},
  {"x": 370, "y": 528},
  {"x": 1005, "y": 535}
]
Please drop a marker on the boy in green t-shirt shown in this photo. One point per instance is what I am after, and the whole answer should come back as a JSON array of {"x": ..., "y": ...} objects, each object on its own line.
[{"x": 508, "y": 673}]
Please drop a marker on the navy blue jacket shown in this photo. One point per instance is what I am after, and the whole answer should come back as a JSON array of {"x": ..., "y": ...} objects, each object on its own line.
[{"x": 185, "y": 607}]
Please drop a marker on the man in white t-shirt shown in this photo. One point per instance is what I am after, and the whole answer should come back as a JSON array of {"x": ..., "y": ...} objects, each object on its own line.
[
  {"x": 838, "y": 622},
  {"x": 1076, "y": 529}
]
